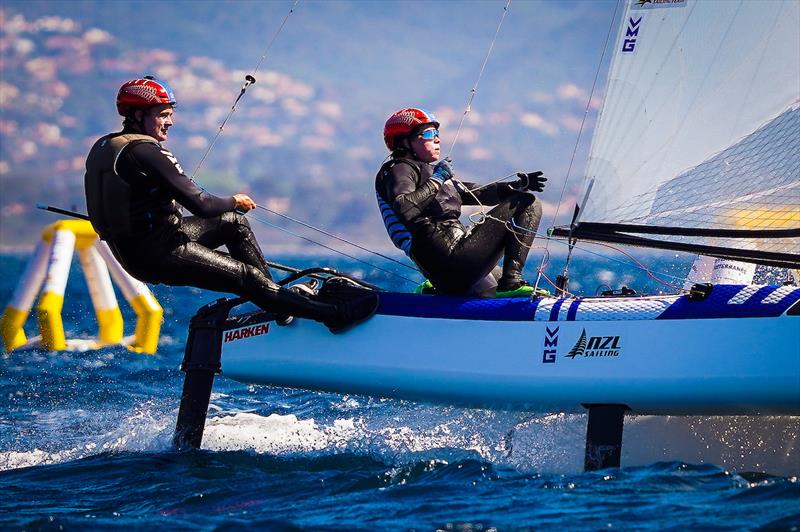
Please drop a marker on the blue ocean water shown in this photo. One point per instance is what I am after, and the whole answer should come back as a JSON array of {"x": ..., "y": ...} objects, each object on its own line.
[{"x": 85, "y": 443}]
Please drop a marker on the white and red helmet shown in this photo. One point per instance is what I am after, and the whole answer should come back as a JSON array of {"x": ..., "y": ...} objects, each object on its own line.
[
  {"x": 143, "y": 93},
  {"x": 403, "y": 122}
]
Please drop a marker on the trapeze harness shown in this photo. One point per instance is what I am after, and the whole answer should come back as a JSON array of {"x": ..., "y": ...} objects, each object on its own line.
[
  {"x": 422, "y": 219},
  {"x": 116, "y": 208}
]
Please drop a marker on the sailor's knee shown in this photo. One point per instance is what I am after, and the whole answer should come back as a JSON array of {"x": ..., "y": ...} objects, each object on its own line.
[
  {"x": 235, "y": 218},
  {"x": 236, "y": 225}
]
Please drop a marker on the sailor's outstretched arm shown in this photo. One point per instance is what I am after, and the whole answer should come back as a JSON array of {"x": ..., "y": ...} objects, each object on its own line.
[
  {"x": 160, "y": 164},
  {"x": 474, "y": 194}
]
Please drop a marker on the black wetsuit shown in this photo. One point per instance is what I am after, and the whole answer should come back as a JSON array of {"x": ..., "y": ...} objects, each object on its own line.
[
  {"x": 453, "y": 258},
  {"x": 161, "y": 246}
]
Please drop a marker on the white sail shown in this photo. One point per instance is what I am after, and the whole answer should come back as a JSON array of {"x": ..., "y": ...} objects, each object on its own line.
[{"x": 700, "y": 126}]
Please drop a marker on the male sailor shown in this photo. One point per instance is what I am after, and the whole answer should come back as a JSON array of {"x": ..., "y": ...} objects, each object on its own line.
[{"x": 134, "y": 190}]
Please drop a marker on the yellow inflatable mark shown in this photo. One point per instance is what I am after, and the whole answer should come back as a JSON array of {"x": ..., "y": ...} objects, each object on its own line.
[
  {"x": 50, "y": 323},
  {"x": 148, "y": 324},
  {"x": 11, "y": 325},
  {"x": 84, "y": 233},
  {"x": 48, "y": 270},
  {"x": 109, "y": 324}
]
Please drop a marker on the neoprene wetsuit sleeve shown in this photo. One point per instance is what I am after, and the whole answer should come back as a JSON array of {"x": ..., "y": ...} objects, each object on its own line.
[
  {"x": 409, "y": 201},
  {"x": 490, "y": 195},
  {"x": 163, "y": 167}
]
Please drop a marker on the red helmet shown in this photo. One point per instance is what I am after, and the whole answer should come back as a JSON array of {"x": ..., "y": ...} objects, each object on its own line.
[
  {"x": 141, "y": 93},
  {"x": 404, "y": 122}
]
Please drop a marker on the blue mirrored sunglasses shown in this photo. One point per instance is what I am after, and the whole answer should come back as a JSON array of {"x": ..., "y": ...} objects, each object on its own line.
[{"x": 429, "y": 134}]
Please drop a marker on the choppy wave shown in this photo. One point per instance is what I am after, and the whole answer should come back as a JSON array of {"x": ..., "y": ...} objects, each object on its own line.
[{"x": 85, "y": 441}]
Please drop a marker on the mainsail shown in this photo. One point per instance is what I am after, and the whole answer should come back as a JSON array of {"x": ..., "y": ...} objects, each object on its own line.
[{"x": 697, "y": 146}]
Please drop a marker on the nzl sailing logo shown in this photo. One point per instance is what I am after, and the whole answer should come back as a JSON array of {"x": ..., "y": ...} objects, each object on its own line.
[
  {"x": 655, "y": 4},
  {"x": 246, "y": 332},
  {"x": 550, "y": 346},
  {"x": 595, "y": 346},
  {"x": 631, "y": 34}
]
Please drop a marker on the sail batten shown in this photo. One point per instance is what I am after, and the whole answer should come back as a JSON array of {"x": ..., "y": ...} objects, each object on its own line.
[
  {"x": 680, "y": 240},
  {"x": 700, "y": 126}
]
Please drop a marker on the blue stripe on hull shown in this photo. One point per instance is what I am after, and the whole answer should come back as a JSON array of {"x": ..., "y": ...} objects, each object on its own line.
[
  {"x": 556, "y": 309},
  {"x": 725, "y": 301},
  {"x": 426, "y": 306},
  {"x": 573, "y": 309},
  {"x": 719, "y": 304}
]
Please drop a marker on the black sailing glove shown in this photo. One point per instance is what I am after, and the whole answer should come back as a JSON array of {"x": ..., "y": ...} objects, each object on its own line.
[{"x": 533, "y": 181}]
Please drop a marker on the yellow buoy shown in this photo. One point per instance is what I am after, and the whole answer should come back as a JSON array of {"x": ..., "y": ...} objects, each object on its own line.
[{"x": 48, "y": 270}]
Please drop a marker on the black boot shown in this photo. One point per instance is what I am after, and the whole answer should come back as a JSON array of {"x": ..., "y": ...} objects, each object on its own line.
[
  {"x": 512, "y": 276},
  {"x": 519, "y": 242},
  {"x": 337, "y": 314},
  {"x": 352, "y": 312},
  {"x": 279, "y": 300}
]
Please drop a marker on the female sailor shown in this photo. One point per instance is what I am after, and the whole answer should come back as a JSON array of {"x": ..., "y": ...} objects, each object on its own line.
[
  {"x": 421, "y": 203},
  {"x": 134, "y": 190}
]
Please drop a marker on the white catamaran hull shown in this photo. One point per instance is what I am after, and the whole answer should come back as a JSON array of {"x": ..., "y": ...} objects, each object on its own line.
[{"x": 735, "y": 352}]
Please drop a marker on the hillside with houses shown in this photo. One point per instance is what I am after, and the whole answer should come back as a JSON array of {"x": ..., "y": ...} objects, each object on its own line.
[{"x": 305, "y": 139}]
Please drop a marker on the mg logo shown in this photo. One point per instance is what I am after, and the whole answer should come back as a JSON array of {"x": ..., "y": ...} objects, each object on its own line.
[
  {"x": 631, "y": 34},
  {"x": 550, "y": 346}
]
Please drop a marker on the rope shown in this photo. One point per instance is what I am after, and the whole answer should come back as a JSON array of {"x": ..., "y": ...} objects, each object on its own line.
[
  {"x": 340, "y": 239},
  {"x": 249, "y": 79},
  {"x": 480, "y": 75},
  {"x": 352, "y": 257}
]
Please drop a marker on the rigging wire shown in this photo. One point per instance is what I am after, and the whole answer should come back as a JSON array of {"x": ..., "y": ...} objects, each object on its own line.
[
  {"x": 312, "y": 241},
  {"x": 340, "y": 239},
  {"x": 580, "y": 132},
  {"x": 490, "y": 183},
  {"x": 479, "y": 218},
  {"x": 633, "y": 259},
  {"x": 480, "y": 75},
  {"x": 249, "y": 79}
]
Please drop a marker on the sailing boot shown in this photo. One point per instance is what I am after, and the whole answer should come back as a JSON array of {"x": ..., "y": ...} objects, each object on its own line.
[
  {"x": 337, "y": 316},
  {"x": 351, "y": 312},
  {"x": 355, "y": 303},
  {"x": 518, "y": 244},
  {"x": 511, "y": 284}
]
